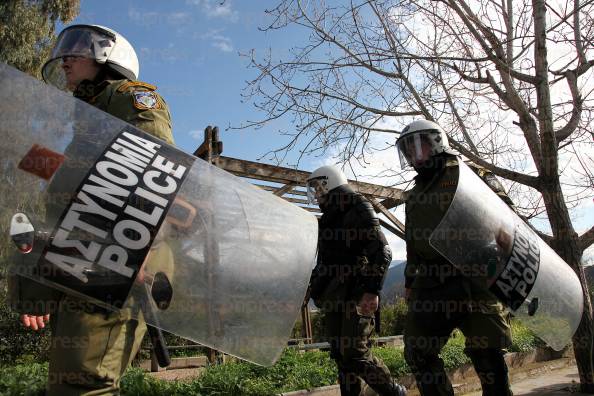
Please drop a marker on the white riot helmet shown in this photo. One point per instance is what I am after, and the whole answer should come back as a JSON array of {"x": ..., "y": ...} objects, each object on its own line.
[
  {"x": 322, "y": 181},
  {"x": 419, "y": 141},
  {"x": 96, "y": 42}
]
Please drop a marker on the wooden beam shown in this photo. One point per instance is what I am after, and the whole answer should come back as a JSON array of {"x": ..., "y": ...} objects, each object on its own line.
[
  {"x": 278, "y": 174},
  {"x": 391, "y": 228},
  {"x": 284, "y": 189},
  {"x": 304, "y": 202},
  {"x": 390, "y": 203},
  {"x": 274, "y": 188},
  {"x": 389, "y": 215},
  {"x": 313, "y": 210}
]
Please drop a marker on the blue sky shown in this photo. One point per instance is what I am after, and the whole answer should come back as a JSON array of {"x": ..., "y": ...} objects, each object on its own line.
[{"x": 190, "y": 50}]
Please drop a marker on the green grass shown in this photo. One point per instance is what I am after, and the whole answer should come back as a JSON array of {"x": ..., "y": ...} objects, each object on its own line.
[{"x": 295, "y": 370}]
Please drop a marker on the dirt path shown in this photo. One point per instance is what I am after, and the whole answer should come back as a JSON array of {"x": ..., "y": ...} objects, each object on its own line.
[{"x": 560, "y": 382}]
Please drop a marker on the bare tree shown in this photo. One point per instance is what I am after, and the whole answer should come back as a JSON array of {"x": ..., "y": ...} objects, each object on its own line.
[{"x": 510, "y": 80}]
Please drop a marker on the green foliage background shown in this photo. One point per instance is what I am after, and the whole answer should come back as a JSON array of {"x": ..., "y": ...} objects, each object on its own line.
[
  {"x": 295, "y": 370},
  {"x": 27, "y": 30}
]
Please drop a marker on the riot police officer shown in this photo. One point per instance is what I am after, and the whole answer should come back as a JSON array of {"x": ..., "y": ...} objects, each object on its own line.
[
  {"x": 353, "y": 257},
  {"x": 92, "y": 347},
  {"x": 441, "y": 297}
]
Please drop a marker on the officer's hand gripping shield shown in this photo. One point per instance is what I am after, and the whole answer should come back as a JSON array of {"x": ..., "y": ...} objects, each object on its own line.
[
  {"x": 482, "y": 237},
  {"x": 136, "y": 225}
]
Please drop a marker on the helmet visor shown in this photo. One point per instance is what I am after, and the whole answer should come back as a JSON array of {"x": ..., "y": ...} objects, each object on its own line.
[
  {"x": 416, "y": 148},
  {"x": 82, "y": 42},
  {"x": 316, "y": 188}
]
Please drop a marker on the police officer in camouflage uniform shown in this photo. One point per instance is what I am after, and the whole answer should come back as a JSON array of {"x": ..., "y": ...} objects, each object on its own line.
[
  {"x": 441, "y": 297},
  {"x": 353, "y": 257},
  {"x": 92, "y": 347}
]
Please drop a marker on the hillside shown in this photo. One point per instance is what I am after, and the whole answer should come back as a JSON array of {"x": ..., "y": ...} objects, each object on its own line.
[{"x": 394, "y": 283}]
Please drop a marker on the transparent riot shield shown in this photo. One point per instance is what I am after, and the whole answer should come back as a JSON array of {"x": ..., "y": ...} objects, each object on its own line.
[
  {"x": 125, "y": 221},
  {"x": 485, "y": 239}
]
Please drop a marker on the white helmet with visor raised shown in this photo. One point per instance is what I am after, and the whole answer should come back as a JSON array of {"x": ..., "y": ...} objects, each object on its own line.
[{"x": 102, "y": 44}]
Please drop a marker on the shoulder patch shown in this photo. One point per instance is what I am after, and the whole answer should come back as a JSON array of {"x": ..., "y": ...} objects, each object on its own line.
[
  {"x": 136, "y": 84},
  {"x": 144, "y": 100}
]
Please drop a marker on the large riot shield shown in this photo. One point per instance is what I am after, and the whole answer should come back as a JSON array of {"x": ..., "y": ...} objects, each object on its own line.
[
  {"x": 485, "y": 239},
  {"x": 132, "y": 224}
]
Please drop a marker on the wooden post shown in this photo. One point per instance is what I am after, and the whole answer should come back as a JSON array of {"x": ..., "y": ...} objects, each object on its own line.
[
  {"x": 306, "y": 324},
  {"x": 208, "y": 150}
]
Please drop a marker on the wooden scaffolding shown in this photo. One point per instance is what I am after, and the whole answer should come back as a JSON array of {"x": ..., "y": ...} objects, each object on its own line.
[{"x": 289, "y": 184}]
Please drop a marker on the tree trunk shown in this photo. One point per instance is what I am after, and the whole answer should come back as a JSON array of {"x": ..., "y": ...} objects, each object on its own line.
[
  {"x": 565, "y": 243},
  {"x": 583, "y": 337}
]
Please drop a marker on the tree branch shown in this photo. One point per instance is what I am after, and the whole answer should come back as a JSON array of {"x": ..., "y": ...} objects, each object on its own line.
[
  {"x": 587, "y": 239},
  {"x": 527, "y": 180},
  {"x": 576, "y": 111}
]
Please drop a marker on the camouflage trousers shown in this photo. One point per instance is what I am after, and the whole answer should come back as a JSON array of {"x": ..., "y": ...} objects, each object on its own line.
[
  {"x": 348, "y": 333},
  {"x": 433, "y": 314}
]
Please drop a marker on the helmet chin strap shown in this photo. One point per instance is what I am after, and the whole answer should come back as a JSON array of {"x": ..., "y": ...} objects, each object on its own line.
[{"x": 86, "y": 88}]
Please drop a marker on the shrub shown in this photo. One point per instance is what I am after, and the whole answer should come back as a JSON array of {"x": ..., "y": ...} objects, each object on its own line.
[
  {"x": 392, "y": 318},
  {"x": 136, "y": 382},
  {"x": 18, "y": 342},
  {"x": 393, "y": 359},
  {"x": 23, "y": 379},
  {"x": 453, "y": 352},
  {"x": 293, "y": 371},
  {"x": 523, "y": 339}
]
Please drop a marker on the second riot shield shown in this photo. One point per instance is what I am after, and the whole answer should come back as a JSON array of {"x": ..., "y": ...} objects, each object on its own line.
[{"x": 485, "y": 239}]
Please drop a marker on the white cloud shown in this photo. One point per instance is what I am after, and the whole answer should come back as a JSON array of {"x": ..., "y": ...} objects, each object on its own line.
[
  {"x": 151, "y": 18},
  {"x": 217, "y": 40},
  {"x": 224, "y": 44},
  {"x": 158, "y": 55},
  {"x": 196, "y": 134},
  {"x": 220, "y": 10},
  {"x": 216, "y": 9},
  {"x": 178, "y": 18},
  {"x": 143, "y": 18}
]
